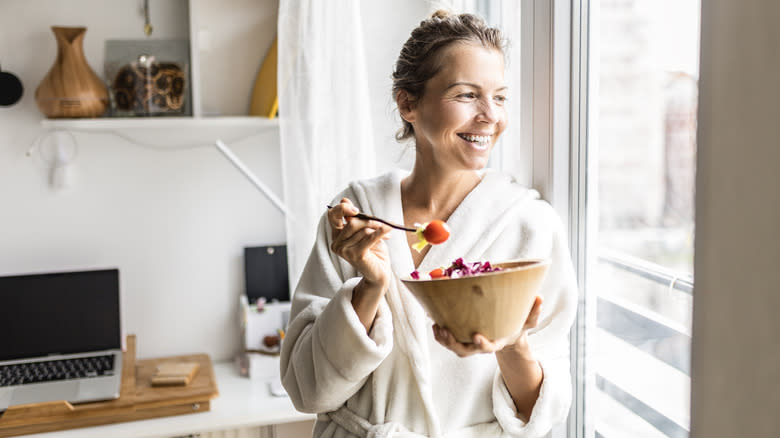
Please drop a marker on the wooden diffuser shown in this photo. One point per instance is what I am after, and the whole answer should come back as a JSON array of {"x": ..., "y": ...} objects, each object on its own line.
[{"x": 71, "y": 88}]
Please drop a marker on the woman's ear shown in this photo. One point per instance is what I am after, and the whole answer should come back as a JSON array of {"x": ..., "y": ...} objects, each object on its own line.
[{"x": 406, "y": 105}]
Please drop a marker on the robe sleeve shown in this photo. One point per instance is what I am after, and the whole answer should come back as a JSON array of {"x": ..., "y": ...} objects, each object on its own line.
[
  {"x": 326, "y": 355},
  {"x": 549, "y": 342}
]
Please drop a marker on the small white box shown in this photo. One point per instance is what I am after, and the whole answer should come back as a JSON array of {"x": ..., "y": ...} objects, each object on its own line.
[
  {"x": 257, "y": 324},
  {"x": 258, "y": 361}
]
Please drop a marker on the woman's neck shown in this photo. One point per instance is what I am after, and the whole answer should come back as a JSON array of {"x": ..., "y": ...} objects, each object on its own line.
[
  {"x": 436, "y": 192},
  {"x": 433, "y": 194}
]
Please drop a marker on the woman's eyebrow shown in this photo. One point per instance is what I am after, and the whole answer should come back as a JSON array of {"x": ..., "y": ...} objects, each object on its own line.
[{"x": 473, "y": 85}]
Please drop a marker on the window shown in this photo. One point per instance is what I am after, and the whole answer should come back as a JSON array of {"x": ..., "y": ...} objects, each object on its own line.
[
  {"x": 605, "y": 123},
  {"x": 639, "y": 61}
]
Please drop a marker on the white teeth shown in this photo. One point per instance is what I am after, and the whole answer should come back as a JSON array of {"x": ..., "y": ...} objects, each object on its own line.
[{"x": 476, "y": 138}]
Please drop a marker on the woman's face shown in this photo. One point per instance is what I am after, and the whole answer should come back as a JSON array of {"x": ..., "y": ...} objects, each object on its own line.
[{"x": 461, "y": 114}]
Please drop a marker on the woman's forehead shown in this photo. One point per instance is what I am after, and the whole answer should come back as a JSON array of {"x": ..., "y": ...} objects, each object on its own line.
[{"x": 471, "y": 64}]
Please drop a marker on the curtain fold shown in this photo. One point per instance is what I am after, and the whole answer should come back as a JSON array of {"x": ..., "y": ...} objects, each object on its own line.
[{"x": 325, "y": 124}]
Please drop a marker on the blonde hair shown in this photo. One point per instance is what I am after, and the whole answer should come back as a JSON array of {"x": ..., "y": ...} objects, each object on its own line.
[{"x": 420, "y": 57}]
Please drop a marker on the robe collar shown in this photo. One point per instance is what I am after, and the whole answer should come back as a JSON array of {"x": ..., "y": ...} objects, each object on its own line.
[{"x": 475, "y": 223}]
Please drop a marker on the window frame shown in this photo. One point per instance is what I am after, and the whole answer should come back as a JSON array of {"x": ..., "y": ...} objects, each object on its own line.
[
  {"x": 572, "y": 21},
  {"x": 554, "y": 87}
]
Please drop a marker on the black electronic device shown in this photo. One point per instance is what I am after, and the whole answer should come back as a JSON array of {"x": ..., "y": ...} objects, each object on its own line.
[
  {"x": 61, "y": 337},
  {"x": 11, "y": 89},
  {"x": 265, "y": 273}
]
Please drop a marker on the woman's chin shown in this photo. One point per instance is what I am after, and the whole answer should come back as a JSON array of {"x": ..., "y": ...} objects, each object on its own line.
[
  {"x": 476, "y": 164},
  {"x": 479, "y": 160}
]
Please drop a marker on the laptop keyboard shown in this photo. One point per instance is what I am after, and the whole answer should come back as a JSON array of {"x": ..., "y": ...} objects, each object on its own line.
[{"x": 47, "y": 371}]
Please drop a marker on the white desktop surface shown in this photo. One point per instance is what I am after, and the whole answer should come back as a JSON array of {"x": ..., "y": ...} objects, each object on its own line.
[{"x": 242, "y": 402}]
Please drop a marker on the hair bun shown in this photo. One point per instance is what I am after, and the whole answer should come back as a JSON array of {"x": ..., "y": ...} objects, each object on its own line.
[{"x": 441, "y": 14}]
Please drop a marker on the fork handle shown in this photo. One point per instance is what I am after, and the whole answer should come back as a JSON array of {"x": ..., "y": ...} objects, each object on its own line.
[
  {"x": 396, "y": 226},
  {"x": 372, "y": 218}
]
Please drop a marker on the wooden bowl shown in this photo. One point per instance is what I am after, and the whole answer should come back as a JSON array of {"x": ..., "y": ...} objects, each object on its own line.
[{"x": 493, "y": 304}]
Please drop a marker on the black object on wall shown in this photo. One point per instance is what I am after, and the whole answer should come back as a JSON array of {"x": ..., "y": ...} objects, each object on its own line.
[
  {"x": 11, "y": 88},
  {"x": 265, "y": 272}
]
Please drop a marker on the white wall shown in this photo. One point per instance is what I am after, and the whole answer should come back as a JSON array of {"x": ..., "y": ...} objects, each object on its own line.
[
  {"x": 173, "y": 221},
  {"x": 736, "y": 330}
]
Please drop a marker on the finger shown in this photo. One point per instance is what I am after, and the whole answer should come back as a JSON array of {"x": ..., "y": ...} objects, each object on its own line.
[
  {"x": 533, "y": 317},
  {"x": 447, "y": 339},
  {"x": 353, "y": 244},
  {"x": 443, "y": 336},
  {"x": 338, "y": 213},
  {"x": 485, "y": 345},
  {"x": 348, "y": 231},
  {"x": 335, "y": 217},
  {"x": 351, "y": 226},
  {"x": 360, "y": 243}
]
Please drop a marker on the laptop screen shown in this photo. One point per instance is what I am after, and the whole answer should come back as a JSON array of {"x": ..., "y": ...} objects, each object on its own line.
[{"x": 59, "y": 313}]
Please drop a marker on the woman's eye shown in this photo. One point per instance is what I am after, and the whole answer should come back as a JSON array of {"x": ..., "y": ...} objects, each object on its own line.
[
  {"x": 467, "y": 95},
  {"x": 500, "y": 99}
]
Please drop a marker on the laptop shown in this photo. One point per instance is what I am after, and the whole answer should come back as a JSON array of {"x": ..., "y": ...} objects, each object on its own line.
[{"x": 60, "y": 337}]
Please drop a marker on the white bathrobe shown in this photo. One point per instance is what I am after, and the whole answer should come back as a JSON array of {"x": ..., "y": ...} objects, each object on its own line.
[{"x": 397, "y": 380}]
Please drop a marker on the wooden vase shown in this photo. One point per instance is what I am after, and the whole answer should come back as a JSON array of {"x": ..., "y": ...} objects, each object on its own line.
[{"x": 71, "y": 88}]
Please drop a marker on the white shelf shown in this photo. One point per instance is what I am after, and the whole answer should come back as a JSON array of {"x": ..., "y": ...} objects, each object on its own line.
[
  {"x": 228, "y": 43},
  {"x": 242, "y": 402},
  {"x": 116, "y": 123}
]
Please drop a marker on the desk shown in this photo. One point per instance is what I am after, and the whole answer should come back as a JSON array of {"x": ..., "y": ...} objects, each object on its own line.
[{"x": 242, "y": 402}]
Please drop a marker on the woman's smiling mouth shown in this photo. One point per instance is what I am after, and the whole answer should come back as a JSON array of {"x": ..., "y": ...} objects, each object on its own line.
[{"x": 480, "y": 142}]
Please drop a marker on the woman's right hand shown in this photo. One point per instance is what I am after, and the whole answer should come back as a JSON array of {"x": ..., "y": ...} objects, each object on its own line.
[{"x": 360, "y": 242}]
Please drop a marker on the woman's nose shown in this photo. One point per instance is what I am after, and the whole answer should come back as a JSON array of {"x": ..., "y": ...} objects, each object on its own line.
[{"x": 489, "y": 111}]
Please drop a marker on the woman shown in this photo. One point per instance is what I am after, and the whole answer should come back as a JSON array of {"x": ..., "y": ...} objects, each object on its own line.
[{"x": 359, "y": 349}]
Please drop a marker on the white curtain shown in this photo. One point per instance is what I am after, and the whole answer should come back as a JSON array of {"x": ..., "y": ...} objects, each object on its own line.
[{"x": 324, "y": 115}]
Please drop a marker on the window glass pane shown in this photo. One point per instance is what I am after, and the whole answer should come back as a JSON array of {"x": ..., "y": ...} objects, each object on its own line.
[{"x": 643, "y": 83}]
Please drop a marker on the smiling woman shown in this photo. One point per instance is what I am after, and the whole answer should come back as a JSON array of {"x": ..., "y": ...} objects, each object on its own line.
[
  {"x": 461, "y": 109},
  {"x": 359, "y": 348}
]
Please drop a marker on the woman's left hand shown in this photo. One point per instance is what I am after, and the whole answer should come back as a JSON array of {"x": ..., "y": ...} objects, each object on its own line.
[{"x": 481, "y": 344}]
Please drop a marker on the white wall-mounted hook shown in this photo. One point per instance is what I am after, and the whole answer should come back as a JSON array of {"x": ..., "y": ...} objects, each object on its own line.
[{"x": 58, "y": 150}]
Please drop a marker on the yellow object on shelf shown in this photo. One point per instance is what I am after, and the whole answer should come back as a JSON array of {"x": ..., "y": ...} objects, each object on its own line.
[{"x": 265, "y": 99}]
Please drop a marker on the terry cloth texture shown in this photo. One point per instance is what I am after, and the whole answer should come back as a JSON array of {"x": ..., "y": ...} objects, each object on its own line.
[{"x": 397, "y": 380}]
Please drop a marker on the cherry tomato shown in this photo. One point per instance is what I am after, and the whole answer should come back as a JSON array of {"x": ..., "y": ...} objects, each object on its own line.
[
  {"x": 436, "y": 232},
  {"x": 437, "y": 273}
]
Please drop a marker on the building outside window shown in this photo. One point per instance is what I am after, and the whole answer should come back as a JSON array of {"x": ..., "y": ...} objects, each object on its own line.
[{"x": 640, "y": 149}]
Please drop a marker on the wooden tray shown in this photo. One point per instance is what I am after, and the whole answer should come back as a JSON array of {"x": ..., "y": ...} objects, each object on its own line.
[{"x": 137, "y": 400}]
